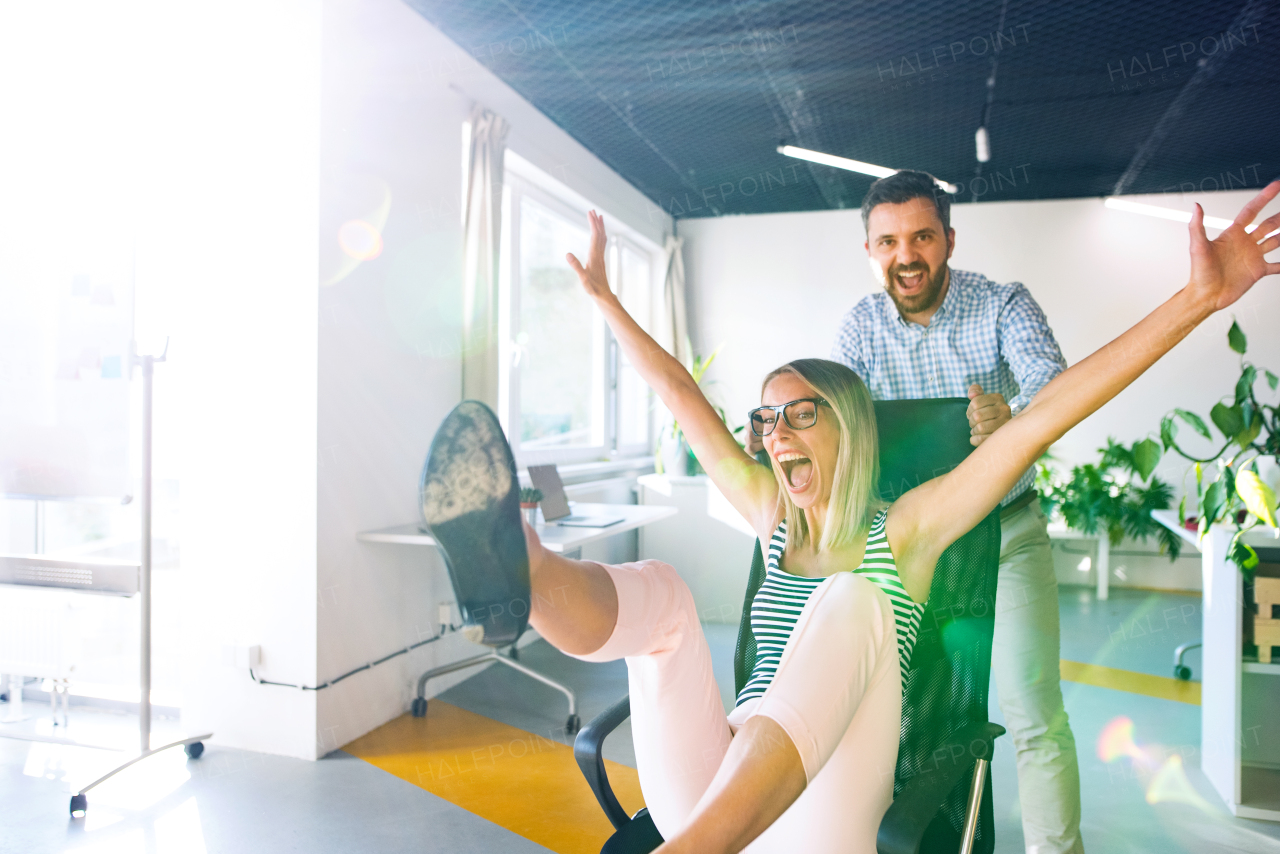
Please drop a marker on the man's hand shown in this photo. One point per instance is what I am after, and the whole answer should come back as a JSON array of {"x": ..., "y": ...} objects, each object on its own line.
[
  {"x": 755, "y": 444},
  {"x": 986, "y": 413}
]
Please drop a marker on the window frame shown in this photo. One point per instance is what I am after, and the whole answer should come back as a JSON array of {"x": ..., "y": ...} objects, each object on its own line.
[{"x": 522, "y": 180}]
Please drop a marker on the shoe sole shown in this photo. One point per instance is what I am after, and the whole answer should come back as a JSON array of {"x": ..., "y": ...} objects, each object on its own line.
[{"x": 470, "y": 500}]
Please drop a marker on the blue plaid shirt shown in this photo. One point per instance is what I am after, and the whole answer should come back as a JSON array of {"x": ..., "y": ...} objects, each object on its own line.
[{"x": 985, "y": 333}]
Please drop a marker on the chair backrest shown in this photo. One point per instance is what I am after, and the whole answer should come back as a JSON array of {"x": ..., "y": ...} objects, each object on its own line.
[{"x": 951, "y": 667}]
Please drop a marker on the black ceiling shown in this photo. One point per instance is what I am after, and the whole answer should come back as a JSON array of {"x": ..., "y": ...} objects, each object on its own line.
[{"x": 689, "y": 100}]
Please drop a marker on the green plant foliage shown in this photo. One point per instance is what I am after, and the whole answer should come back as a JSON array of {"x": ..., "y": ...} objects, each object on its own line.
[
  {"x": 1236, "y": 339},
  {"x": 1109, "y": 497},
  {"x": 1196, "y": 422},
  {"x": 530, "y": 495},
  {"x": 1250, "y": 429},
  {"x": 697, "y": 371},
  {"x": 1259, "y": 498}
]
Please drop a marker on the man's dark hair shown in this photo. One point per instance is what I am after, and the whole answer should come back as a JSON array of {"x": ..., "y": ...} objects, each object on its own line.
[{"x": 903, "y": 187}]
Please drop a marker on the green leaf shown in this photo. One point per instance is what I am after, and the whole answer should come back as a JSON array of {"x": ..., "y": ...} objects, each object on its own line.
[
  {"x": 1246, "y": 436},
  {"x": 1168, "y": 432},
  {"x": 1146, "y": 456},
  {"x": 1236, "y": 338},
  {"x": 1182, "y": 510},
  {"x": 1212, "y": 503},
  {"x": 1228, "y": 419},
  {"x": 1244, "y": 385},
  {"x": 1243, "y": 555},
  {"x": 1272, "y": 380},
  {"x": 1194, "y": 420},
  {"x": 1257, "y": 496}
]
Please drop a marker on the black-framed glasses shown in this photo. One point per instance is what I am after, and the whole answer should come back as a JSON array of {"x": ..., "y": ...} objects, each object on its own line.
[{"x": 799, "y": 414}]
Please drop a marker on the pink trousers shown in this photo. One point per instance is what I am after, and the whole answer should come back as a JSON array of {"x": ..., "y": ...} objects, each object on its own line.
[{"x": 837, "y": 694}]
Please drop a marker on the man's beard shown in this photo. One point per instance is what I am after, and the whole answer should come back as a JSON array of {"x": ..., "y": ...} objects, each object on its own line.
[{"x": 928, "y": 297}]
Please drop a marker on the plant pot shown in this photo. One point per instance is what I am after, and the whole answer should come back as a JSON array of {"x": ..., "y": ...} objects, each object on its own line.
[{"x": 530, "y": 513}]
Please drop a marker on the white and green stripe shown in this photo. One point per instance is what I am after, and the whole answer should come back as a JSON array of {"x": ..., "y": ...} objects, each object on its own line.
[{"x": 782, "y": 596}]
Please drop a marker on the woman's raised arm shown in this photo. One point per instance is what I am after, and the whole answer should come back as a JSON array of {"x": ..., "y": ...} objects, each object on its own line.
[
  {"x": 749, "y": 486},
  {"x": 929, "y": 518}
]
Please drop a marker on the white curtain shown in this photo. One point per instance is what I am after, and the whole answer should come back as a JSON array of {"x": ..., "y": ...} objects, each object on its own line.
[
  {"x": 481, "y": 239},
  {"x": 673, "y": 328}
]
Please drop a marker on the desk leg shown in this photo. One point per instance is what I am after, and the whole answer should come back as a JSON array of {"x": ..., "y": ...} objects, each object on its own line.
[
  {"x": 1104, "y": 567},
  {"x": 573, "y": 554}
]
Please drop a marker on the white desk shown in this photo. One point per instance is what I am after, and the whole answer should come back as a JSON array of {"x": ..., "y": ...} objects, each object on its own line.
[
  {"x": 555, "y": 537},
  {"x": 1238, "y": 751},
  {"x": 1102, "y": 564}
]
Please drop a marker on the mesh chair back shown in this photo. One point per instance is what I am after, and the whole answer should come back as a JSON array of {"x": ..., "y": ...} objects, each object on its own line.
[{"x": 951, "y": 667}]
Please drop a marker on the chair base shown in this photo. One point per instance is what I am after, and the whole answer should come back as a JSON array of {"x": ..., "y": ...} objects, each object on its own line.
[{"x": 419, "y": 706}]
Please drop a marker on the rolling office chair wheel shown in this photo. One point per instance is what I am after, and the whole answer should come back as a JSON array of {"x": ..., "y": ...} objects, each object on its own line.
[
  {"x": 194, "y": 749},
  {"x": 573, "y": 724},
  {"x": 419, "y": 707},
  {"x": 79, "y": 803},
  {"x": 1182, "y": 672}
]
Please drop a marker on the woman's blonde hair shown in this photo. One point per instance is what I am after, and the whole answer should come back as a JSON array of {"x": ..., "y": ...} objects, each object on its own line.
[{"x": 855, "y": 495}]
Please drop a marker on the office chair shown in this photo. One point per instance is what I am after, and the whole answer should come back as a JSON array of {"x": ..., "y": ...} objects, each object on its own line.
[
  {"x": 468, "y": 471},
  {"x": 941, "y": 788}
]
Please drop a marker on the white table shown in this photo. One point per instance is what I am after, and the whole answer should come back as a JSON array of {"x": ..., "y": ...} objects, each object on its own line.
[
  {"x": 1060, "y": 531},
  {"x": 1238, "y": 732},
  {"x": 556, "y": 538}
]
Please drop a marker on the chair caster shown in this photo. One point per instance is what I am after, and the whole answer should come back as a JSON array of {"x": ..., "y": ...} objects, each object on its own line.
[
  {"x": 194, "y": 749},
  {"x": 573, "y": 724},
  {"x": 419, "y": 707},
  {"x": 79, "y": 803},
  {"x": 1182, "y": 672}
]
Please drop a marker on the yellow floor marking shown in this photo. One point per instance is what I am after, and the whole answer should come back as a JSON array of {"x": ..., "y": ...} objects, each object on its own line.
[
  {"x": 524, "y": 782},
  {"x": 1161, "y": 687}
]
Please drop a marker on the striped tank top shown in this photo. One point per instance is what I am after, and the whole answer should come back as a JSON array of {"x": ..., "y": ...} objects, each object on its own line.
[{"x": 782, "y": 596}]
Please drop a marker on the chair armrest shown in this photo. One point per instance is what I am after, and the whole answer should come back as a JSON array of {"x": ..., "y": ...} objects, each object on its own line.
[
  {"x": 904, "y": 823},
  {"x": 588, "y": 749}
]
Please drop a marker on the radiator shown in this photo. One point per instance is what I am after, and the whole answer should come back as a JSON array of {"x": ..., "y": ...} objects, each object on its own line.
[{"x": 38, "y": 634}]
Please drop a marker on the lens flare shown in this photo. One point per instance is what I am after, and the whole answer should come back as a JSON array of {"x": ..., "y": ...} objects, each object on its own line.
[
  {"x": 1116, "y": 740},
  {"x": 1170, "y": 785},
  {"x": 360, "y": 240}
]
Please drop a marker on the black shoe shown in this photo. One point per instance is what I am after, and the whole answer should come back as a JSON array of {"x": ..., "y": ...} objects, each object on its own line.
[{"x": 470, "y": 500}]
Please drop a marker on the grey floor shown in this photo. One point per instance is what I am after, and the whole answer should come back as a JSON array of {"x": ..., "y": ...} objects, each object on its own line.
[{"x": 236, "y": 801}]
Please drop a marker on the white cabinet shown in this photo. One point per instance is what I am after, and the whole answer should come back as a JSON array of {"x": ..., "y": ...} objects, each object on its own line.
[{"x": 1239, "y": 731}]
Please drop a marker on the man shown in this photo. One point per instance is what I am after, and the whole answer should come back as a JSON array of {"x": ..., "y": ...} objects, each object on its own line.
[{"x": 938, "y": 332}]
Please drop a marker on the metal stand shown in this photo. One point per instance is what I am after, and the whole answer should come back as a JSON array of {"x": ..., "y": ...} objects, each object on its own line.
[
  {"x": 975, "y": 804},
  {"x": 419, "y": 707},
  {"x": 194, "y": 745}
]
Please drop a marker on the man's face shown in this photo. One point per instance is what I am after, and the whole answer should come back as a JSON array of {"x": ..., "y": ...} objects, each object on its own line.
[{"x": 909, "y": 252}]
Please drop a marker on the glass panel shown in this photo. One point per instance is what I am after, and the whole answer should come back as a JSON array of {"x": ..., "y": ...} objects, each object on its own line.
[
  {"x": 561, "y": 338},
  {"x": 635, "y": 292}
]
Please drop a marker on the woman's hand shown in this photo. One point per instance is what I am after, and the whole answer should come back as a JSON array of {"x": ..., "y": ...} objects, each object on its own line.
[
  {"x": 1224, "y": 268},
  {"x": 592, "y": 276}
]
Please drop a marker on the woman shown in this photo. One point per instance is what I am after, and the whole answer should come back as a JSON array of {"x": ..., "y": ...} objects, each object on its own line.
[{"x": 805, "y": 760}]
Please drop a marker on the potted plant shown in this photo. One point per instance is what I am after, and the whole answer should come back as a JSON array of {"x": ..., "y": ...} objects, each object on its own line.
[
  {"x": 529, "y": 498},
  {"x": 1230, "y": 488},
  {"x": 673, "y": 454},
  {"x": 1109, "y": 497}
]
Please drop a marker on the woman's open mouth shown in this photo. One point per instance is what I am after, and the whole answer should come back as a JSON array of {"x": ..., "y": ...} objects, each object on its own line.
[{"x": 797, "y": 468}]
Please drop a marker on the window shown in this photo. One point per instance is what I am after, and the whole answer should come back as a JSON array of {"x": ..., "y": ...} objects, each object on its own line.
[{"x": 568, "y": 394}]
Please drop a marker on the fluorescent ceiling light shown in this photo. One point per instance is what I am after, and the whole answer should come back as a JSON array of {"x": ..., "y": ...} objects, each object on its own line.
[
  {"x": 851, "y": 165},
  {"x": 1167, "y": 213}
]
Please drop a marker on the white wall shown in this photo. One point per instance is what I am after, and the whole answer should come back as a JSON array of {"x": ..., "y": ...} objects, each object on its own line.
[
  {"x": 229, "y": 235},
  {"x": 775, "y": 287},
  {"x": 395, "y": 94}
]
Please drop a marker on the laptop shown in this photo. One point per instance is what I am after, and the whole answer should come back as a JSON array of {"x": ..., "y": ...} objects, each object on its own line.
[{"x": 555, "y": 504}]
